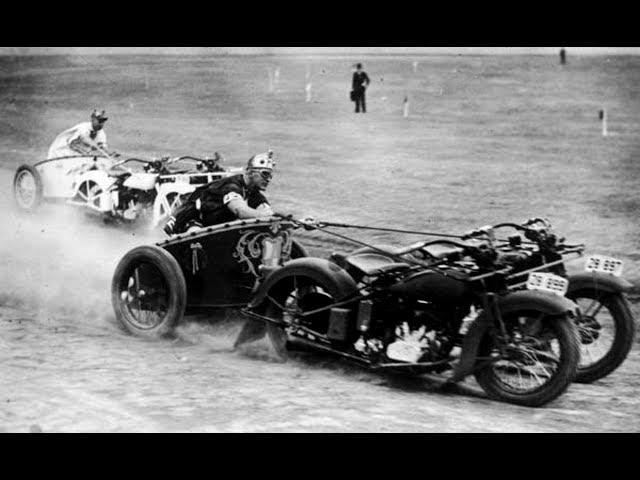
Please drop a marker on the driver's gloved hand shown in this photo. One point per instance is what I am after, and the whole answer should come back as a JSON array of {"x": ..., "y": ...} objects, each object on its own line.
[
  {"x": 169, "y": 227},
  {"x": 308, "y": 222}
]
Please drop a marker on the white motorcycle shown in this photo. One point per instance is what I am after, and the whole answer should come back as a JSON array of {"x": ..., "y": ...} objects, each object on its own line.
[{"x": 114, "y": 189}]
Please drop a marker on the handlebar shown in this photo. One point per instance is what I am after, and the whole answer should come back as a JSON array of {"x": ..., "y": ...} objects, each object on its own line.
[{"x": 159, "y": 162}]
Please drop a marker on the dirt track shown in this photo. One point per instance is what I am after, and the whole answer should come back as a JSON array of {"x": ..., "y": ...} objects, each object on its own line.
[{"x": 66, "y": 365}]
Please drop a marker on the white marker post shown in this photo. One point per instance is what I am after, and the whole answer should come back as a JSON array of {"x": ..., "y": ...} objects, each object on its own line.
[
  {"x": 276, "y": 77},
  {"x": 308, "y": 90},
  {"x": 270, "y": 79},
  {"x": 603, "y": 117},
  {"x": 405, "y": 113}
]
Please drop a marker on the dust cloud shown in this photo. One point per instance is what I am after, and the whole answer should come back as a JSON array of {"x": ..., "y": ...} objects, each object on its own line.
[{"x": 59, "y": 260}]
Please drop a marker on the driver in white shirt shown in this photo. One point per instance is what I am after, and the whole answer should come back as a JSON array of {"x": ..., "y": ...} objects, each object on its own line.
[{"x": 84, "y": 139}]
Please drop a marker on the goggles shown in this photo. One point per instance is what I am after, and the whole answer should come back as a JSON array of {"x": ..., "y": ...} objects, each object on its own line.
[{"x": 265, "y": 174}]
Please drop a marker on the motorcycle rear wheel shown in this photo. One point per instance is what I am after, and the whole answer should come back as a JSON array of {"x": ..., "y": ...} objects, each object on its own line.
[
  {"x": 595, "y": 329},
  {"x": 543, "y": 350}
]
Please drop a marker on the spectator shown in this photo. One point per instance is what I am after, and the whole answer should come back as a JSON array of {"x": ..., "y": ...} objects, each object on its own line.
[{"x": 359, "y": 84}]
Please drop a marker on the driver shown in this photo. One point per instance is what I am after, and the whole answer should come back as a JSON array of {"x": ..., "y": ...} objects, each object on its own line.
[
  {"x": 227, "y": 199},
  {"x": 85, "y": 139}
]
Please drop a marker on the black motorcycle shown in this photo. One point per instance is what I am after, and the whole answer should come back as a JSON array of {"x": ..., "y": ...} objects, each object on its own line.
[
  {"x": 606, "y": 325},
  {"x": 443, "y": 307}
]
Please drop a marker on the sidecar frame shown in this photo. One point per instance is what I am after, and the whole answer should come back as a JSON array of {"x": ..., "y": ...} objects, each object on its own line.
[{"x": 224, "y": 264}]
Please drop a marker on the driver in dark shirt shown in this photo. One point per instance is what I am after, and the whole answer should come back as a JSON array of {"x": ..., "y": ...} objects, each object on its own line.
[{"x": 227, "y": 199}]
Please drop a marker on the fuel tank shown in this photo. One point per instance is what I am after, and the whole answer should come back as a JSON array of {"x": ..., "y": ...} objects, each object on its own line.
[
  {"x": 435, "y": 286},
  {"x": 141, "y": 181}
]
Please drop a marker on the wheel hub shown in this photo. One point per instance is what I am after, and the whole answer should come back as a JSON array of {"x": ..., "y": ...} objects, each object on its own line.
[{"x": 589, "y": 329}]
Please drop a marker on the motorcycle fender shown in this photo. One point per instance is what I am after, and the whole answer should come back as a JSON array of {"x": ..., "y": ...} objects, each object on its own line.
[
  {"x": 548, "y": 303},
  {"x": 598, "y": 281},
  {"x": 318, "y": 269}
]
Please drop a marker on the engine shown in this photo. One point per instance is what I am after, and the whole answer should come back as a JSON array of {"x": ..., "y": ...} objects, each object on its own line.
[{"x": 420, "y": 331}]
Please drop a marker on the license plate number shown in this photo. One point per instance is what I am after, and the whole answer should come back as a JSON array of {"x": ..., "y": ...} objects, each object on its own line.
[
  {"x": 547, "y": 282},
  {"x": 602, "y": 264}
]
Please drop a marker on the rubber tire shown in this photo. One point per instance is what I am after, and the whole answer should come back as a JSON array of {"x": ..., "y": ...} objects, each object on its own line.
[
  {"x": 570, "y": 352},
  {"x": 622, "y": 342},
  {"x": 37, "y": 180},
  {"x": 174, "y": 278}
]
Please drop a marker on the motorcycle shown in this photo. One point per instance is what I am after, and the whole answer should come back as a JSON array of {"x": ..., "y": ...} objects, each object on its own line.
[
  {"x": 113, "y": 189},
  {"x": 606, "y": 325},
  {"x": 453, "y": 312}
]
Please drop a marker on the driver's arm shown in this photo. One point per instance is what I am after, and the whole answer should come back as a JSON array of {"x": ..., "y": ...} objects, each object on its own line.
[{"x": 241, "y": 209}]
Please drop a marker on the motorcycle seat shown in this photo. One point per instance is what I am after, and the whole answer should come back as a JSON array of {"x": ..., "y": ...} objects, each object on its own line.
[
  {"x": 442, "y": 250},
  {"x": 371, "y": 264}
]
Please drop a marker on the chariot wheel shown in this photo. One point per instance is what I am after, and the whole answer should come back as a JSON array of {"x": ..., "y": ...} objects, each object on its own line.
[
  {"x": 27, "y": 188},
  {"x": 148, "y": 292},
  {"x": 89, "y": 193}
]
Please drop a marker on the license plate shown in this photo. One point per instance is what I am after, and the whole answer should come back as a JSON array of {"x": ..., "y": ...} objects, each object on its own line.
[
  {"x": 547, "y": 282},
  {"x": 602, "y": 264}
]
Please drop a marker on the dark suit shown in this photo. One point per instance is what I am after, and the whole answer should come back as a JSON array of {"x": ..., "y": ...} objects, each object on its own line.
[{"x": 358, "y": 85}]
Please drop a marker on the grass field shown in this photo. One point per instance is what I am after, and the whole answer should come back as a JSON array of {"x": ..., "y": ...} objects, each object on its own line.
[{"x": 488, "y": 139}]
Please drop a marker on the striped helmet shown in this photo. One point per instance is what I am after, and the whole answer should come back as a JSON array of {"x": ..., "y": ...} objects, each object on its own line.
[{"x": 261, "y": 161}]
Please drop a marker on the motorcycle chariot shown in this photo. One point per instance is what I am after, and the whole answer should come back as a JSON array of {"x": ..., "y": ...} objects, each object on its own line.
[
  {"x": 383, "y": 310},
  {"x": 116, "y": 190}
]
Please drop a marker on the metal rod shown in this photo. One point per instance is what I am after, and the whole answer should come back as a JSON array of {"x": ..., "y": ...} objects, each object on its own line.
[
  {"x": 322, "y": 309},
  {"x": 364, "y": 227},
  {"x": 385, "y": 252},
  {"x": 539, "y": 267},
  {"x": 409, "y": 365},
  {"x": 333, "y": 350}
]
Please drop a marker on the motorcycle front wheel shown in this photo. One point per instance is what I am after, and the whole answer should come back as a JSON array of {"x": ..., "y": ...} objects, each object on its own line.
[
  {"x": 534, "y": 363},
  {"x": 607, "y": 332}
]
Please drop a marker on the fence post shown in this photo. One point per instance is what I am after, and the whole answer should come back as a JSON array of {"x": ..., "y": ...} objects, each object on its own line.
[
  {"x": 270, "y": 73},
  {"x": 603, "y": 118}
]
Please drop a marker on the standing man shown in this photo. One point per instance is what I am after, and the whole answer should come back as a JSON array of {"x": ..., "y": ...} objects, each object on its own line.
[
  {"x": 358, "y": 85},
  {"x": 563, "y": 56}
]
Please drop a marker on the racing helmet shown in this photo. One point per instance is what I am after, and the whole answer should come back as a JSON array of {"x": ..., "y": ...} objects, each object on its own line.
[
  {"x": 262, "y": 161},
  {"x": 101, "y": 116}
]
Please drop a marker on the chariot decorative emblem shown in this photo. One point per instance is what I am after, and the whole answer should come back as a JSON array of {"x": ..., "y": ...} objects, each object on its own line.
[{"x": 266, "y": 248}]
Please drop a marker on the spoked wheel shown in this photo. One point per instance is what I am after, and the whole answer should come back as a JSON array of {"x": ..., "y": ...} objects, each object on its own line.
[
  {"x": 536, "y": 361},
  {"x": 607, "y": 332},
  {"x": 173, "y": 201},
  {"x": 89, "y": 193},
  {"x": 288, "y": 301},
  {"x": 27, "y": 188},
  {"x": 303, "y": 296},
  {"x": 148, "y": 291}
]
